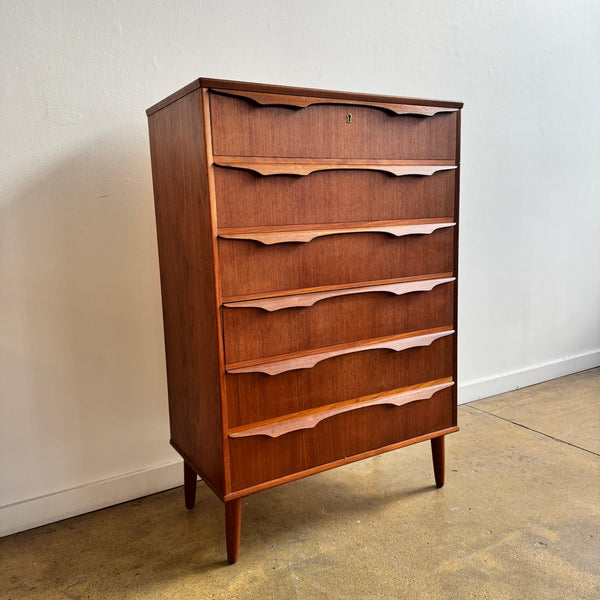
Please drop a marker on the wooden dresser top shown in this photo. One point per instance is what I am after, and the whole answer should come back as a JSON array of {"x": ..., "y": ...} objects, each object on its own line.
[{"x": 294, "y": 91}]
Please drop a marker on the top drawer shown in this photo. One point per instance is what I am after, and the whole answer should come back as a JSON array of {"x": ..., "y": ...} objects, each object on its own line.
[{"x": 242, "y": 127}]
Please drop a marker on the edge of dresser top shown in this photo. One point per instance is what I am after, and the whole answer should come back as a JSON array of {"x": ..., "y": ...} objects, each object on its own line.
[{"x": 294, "y": 91}]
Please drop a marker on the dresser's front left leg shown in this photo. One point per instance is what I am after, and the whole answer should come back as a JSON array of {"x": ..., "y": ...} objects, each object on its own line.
[
  {"x": 189, "y": 485},
  {"x": 233, "y": 528},
  {"x": 438, "y": 453}
]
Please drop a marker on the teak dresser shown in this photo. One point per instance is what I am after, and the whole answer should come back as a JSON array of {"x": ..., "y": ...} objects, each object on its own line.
[{"x": 308, "y": 260}]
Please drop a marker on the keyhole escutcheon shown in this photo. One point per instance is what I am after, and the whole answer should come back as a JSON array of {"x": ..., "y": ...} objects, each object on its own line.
[{"x": 348, "y": 118}]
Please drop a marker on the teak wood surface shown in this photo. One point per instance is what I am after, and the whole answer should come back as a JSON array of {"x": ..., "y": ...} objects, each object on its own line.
[
  {"x": 284, "y": 234},
  {"x": 270, "y": 99},
  {"x": 255, "y": 396},
  {"x": 310, "y": 418},
  {"x": 274, "y": 365},
  {"x": 343, "y": 435},
  {"x": 245, "y": 198},
  {"x": 308, "y": 260},
  {"x": 306, "y": 166},
  {"x": 248, "y": 267},
  {"x": 243, "y": 128},
  {"x": 253, "y": 332},
  {"x": 244, "y": 87},
  {"x": 308, "y": 297},
  {"x": 189, "y": 293}
]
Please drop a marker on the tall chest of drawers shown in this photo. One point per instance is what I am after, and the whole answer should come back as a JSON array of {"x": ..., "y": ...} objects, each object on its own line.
[{"x": 308, "y": 261}]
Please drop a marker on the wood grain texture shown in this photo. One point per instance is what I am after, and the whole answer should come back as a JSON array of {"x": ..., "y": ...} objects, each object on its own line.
[
  {"x": 212, "y": 207},
  {"x": 307, "y": 244},
  {"x": 279, "y": 235},
  {"x": 270, "y": 99},
  {"x": 247, "y": 199},
  {"x": 305, "y": 298},
  {"x": 253, "y": 333},
  {"x": 280, "y": 480},
  {"x": 233, "y": 528},
  {"x": 187, "y": 273},
  {"x": 242, "y": 86},
  {"x": 260, "y": 459},
  {"x": 328, "y": 288},
  {"x": 310, "y": 418},
  {"x": 303, "y": 167},
  {"x": 248, "y": 267},
  {"x": 243, "y": 128},
  {"x": 190, "y": 479},
  {"x": 253, "y": 397},
  {"x": 438, "y": 454},
  {"x": 275, "y": 365},
  {"x": 455, "y": 266}
]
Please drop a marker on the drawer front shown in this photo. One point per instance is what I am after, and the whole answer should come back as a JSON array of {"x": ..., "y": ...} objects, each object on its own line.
[
  {"x": 249, "y": 267},
  {"x": 254, "y": 333},
  {"x": 240, "y": 127},
  {"x": 245, "y": 198},
  {"x": 253, "y": 397},
  {"x": 258, "y": 459}
]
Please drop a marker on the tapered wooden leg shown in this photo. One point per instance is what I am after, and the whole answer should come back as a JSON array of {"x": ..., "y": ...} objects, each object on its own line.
[
  {"x": 438, "y": 453},
  {"x": 233, "y": 528},
  {"x": 189, "y": 485}
]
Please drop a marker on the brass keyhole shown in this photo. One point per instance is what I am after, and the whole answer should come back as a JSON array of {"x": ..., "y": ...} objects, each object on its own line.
[{"x": 348, "y": 118}]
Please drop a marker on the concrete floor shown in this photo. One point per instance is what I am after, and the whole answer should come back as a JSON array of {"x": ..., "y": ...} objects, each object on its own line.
[{"x": 519, "y": 518}]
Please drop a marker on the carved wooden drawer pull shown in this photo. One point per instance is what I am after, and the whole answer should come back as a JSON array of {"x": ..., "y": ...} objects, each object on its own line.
[
  {"x": 311, "y": 298},
  {"x": 308, "y": 419},
  {"x": 303, "y": 167},
  {"x": 306, "y": 360},
  {"x": 274, "y": 235},
  {"x": 305, "y": 101}
]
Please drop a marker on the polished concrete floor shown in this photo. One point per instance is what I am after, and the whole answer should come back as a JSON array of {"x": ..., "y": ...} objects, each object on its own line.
[{"x": 518, "y": 518}]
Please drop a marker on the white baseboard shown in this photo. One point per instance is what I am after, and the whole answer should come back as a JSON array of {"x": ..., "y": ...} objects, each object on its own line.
[
  {"x": 513, "y": 380},
  {"x": 42, "y": 510}
]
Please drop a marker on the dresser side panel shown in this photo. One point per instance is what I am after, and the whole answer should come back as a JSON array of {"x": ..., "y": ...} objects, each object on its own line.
[
  {"x": 187, "y": 272},
  {"x": 455, "y": 268}
]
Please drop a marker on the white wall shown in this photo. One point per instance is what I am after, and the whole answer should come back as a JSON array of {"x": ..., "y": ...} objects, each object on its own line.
[{"x": 82, "y": 378}]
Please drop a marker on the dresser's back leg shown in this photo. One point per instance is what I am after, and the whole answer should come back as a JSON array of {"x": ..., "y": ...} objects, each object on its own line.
[
  {"x": 438, "y": 452},
  {"x": 189, "y": 485}
]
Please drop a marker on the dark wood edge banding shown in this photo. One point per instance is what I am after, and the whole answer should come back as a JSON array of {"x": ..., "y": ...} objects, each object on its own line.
[
  {"x": 308, "y": 419},
  {"x": 309, "y": 299},
  {"x": 305, "y": 360}
]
